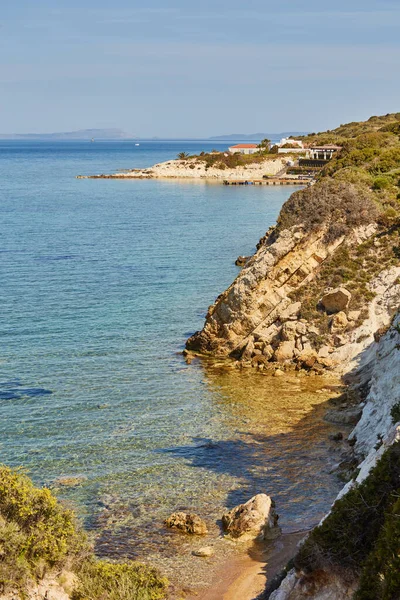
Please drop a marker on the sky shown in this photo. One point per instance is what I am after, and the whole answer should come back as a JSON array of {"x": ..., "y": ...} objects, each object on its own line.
[{"x": 178, "y": 68}]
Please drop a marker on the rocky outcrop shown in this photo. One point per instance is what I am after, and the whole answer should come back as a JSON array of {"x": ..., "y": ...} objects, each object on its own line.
[
  {"x": 187, "y": 523},
  {"x": 259, "y": 322},
  {"x": 296, "y": 586},
  {"x": 258, "y": 303},
  {"x": 255, "y": 518},
  {"x": 242, "y": 260},
  {"x": 48, "y": 588}
]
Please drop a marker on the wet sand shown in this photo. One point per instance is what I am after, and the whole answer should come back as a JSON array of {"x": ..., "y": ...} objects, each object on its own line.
[{"x": 244, "y": 577}]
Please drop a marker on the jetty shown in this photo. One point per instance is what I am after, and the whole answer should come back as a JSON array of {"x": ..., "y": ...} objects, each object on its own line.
[{"x": 269, "y": 181}]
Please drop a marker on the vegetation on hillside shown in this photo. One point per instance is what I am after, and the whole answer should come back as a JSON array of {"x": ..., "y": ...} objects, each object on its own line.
[
  {"x": 360, "y": 185},
  {"x": 39, "y": 537},
  {"x": 337, "y": 205},
  {"x": 225, "y": 160},
  {"x": 369, "y": 160},
  {"x": 360, "y": 538},
  {"x": 353, "y": 130}
]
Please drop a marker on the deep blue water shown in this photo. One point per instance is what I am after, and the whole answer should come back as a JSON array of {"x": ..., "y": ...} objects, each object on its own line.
[{"x": 102, "y": 282}]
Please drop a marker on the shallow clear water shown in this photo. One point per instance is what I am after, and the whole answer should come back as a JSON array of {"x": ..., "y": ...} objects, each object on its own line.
[{"x": 102, "y": 281}]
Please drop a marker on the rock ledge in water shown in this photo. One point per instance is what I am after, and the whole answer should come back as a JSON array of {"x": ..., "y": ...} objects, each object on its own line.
[{"x": 187, "y": 522}]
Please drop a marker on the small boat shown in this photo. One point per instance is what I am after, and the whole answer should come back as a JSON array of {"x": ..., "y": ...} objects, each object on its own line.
[
  {"x": 137, "y": 144},
  {"x": 92, "y": 140}
]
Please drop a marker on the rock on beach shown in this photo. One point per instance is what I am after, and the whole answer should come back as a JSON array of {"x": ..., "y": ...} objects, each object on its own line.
[{"x": 255, "y": 518}]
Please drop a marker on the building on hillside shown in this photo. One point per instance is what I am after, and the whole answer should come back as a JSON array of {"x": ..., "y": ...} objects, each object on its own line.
[
  {"x": 287, "y": 145},
  {"x": 322, "y": 152},
  {"x": 244, "y": 149}
]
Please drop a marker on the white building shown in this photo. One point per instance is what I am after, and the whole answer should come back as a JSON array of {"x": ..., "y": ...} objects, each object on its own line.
[
  {"x": 292, "y": 146},
  {"x": 323, "y": 152},
  {"x": 244, "y": 149}
]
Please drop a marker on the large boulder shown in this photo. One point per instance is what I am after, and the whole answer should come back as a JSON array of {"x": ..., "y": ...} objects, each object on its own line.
[
  {"x": 289, "y": 331},
  {"x": 336, "y": 300},
  {"x": 255, "y": 518},
  {"x": 187, "y": 522},
  {"x": 339, "y": 322},
  {"x": 248, "y": 350},
  {"x": 285, "y": 351},
  {"x": 307, "y": 358}
]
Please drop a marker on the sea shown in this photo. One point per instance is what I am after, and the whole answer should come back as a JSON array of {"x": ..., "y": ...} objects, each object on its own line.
[{"x": 102, "y": 281}]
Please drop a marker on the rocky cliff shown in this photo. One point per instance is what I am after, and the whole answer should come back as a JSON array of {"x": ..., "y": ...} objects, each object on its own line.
[
  {"x": 309, "y": 297},
  {"x": 354, "y": 553},
  {"x": 323, "y": 292}
]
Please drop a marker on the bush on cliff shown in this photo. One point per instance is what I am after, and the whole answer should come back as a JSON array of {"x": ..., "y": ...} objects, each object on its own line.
[
  {"x": 38, "y": 537},
  {"x": 338, "y": 206},
  {"x": 361, "y": 535},
  {"x": 37, "y": 534},
  {"x": 119, "y": 581},
  {"x": 380, "y": 578}
]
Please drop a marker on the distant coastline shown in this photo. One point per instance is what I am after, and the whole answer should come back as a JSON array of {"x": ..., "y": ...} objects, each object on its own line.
[{"x": 120, "y": 135}]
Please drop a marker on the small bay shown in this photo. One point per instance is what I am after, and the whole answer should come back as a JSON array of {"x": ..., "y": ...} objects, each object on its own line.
[{"x": 102, "y": 282}]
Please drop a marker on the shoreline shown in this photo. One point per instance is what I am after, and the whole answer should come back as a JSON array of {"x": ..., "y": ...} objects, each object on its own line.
[
  {"x": 245, "y": 576},
  {"x": 195, "y": 168},
  {"x": 221, "y": 180}
]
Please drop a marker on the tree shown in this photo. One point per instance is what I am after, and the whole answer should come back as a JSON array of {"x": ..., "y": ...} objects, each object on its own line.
[
  {"x": 264, "y": 143},
  {"x": 183, "y": 155}
]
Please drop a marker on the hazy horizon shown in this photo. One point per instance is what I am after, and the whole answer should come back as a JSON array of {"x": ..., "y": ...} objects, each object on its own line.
[{"x": 195, "y": 71}]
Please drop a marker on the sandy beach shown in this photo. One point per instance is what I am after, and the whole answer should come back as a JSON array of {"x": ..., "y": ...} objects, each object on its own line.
[{"x": 244, "y": 576}]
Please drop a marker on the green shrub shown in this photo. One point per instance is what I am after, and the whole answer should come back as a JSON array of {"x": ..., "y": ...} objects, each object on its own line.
[
  {"x": 115, "y": 581},
  {"x": 37, "y": 532},
  {"x": 380, "y": 577},
  {"x": 350, "y": 540},
  {"x": 381, "y": 183},
  {"x": 38, "y": 535},
  {"x": 337, "y": 205},
  {"x": 395, "y": 413}
]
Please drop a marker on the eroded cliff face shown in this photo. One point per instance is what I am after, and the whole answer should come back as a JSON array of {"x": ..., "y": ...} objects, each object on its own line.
[
  {"x": 259, "y": 297},
  {"x": 262, "y": 318},
  {"x": 377, "y": 431}
]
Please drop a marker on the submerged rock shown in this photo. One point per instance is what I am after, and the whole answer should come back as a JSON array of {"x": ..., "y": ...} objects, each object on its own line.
[
  {"x": 348, "y": 416},
  {"x": 187, "y": 522},
  {"x": 255, "y": 518},
  {"x": 204, "y": 552}
]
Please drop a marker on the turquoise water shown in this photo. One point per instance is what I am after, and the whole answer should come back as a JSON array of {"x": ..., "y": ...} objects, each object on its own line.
[{"x": 102, "y": 282}]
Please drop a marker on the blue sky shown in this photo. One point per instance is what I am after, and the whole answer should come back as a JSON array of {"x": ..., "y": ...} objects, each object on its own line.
[{"x": 181, "y": 68}]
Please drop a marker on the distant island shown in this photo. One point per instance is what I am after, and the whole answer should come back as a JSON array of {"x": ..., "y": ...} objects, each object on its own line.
[{"x": 81, "y": 134}]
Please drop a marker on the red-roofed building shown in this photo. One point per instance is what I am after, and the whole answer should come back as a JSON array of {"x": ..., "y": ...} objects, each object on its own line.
[{"x": 244, "y": 149}]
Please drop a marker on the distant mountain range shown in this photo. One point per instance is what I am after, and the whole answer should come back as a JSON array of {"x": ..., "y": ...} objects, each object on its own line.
[
  {"x": 119, "y": 134},
  {"x": 81, "y": 134},
  {"x": 257, "y": 136}
]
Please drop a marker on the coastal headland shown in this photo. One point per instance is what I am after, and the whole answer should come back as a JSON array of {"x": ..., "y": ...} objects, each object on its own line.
[
  {"x": 319, "y": 297},
  {"x": 197, "y": 168}
]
